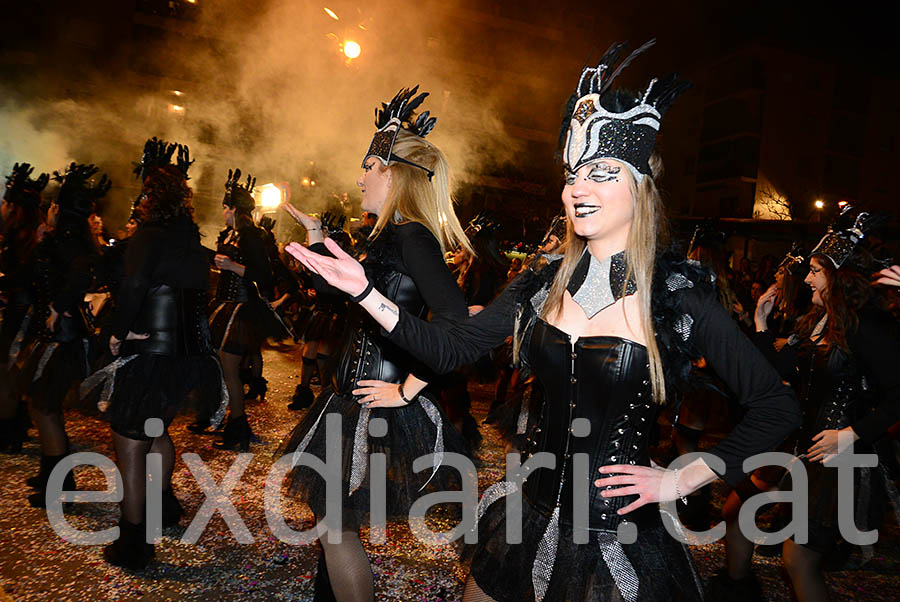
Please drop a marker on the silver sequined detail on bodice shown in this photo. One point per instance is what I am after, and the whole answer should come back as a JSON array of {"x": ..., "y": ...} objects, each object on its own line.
[
  {"x": 677, "y": 281},
  {"x": 683, "y": 326}
]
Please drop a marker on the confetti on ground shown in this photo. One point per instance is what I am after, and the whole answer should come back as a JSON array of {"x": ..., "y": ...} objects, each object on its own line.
[{"x": 37, "y": 565}]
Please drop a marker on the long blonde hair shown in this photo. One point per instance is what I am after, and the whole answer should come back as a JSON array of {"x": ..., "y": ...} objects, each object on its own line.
[
  {"x": 648, "y": 232},
  {"x": 415, "y": 198}
]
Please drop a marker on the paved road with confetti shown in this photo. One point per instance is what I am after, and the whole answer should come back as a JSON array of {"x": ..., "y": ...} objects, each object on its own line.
[{"x": 36, "y": 564}]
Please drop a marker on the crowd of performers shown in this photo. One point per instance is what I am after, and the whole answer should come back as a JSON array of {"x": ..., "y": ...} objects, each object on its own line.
[{"x": 595, "y": 335}]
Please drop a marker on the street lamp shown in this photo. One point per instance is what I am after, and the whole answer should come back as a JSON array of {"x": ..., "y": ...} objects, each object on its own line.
[
  {"x": 820, "y": 204},
  {"x": 351, "y": 49}
]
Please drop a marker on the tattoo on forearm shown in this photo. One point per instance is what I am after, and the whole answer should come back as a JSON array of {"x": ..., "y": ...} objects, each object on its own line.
[{"x": 385, "y": 307}]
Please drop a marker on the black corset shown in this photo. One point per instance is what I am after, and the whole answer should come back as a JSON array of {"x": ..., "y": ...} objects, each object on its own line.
[
  {"x": 605, "y": 380},
  {"x": 365, "y": 353},
  {"x": 231, "y": 287},
  {"x": 176, "y": 322}
]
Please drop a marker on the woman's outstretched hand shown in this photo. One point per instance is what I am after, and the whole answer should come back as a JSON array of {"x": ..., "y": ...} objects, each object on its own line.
[
  {"x": 312, "y": 225},
  {"x": 888, "y": 276},
  {"x": 342, "y": 271}
]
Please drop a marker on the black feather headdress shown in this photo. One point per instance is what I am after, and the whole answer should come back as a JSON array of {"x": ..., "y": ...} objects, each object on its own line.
[
  {"x": 391, "y": 117},
  {"x": 21, "y": 189},
  {"x": 79, "y": 193},
  {"x": 603, "y": 123},
  {"x": 239, "y": 196},
  {"x": 158, "y": 153}
]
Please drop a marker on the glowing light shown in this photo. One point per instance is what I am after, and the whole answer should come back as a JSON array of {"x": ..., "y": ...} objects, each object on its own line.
[
  {"x": 331, "y": 14},
  {"x": 269, "y": 196},
  {"x": 177, "y": 92},
  {"x": 191, "y": 1},
  {"x": 177, "y": 109},
  {"x": 819, "y": 203},
  {"x": 351, "y": 49},
  {"x": 312, "y": 182},
  {"x": 305, "y": 181},
  {"x": 842, "y": 204}
]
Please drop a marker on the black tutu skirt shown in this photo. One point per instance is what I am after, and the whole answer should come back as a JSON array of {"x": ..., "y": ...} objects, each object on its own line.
[
  {"x": 45, "y": 371},
  {"x": 412, "y": 431},
  {"x": 660, "y": 568},
  {"x": 137, "y": 387},
  {"x": 323, "y": 325},
  {"x": 239, "y": 328}
]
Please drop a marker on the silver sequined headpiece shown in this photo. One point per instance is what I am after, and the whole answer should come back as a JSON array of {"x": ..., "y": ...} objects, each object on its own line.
[
  {"x": 844, "y": 236},
  {"x": 614, "y": 124}
]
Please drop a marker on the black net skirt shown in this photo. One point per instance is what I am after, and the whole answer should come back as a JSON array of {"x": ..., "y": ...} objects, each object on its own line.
[
  {"x": 323, "y": 325},
  {"x": 662, "y": 566},
  {"x": 235, "y": 327},
  {"x": 411, "y": 432},
  {"x": 45, "y": 371},
  {"x": 157, "y": 386}
]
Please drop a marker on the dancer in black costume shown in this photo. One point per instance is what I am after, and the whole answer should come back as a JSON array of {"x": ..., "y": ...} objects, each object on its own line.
[
  {"x": 20, "y": 216},
  {"x": 240, "y": 316},
  {"x": 161, "y": 339},
  {"x": 56, "y": 354},
  {"x": 406, "y": 182},
  {"x": 609, "y": 331},
  {"x": 843, "y": 357}
]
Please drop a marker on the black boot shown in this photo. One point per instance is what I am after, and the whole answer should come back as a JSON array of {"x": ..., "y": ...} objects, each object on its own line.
[
  {"x": 322, "y": 591},
  {"x": 172, "y": 510},
  {"x": 723, "y": 588},
  {"x": 131, "y": 550},
  {"x": 10, "y": 436},
  {"x": 38, "y": 499},
  {"x": 258, "y": 388},
  {"x": 302, "y": 399},
  {"x": 236, "y": 435}
]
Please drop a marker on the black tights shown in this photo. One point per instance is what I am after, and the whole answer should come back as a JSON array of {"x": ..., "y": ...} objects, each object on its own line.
[
  {"x": 804, "y": 565},
  {"x": 349, "y": 565},
  {"x": 51, "y": 428},
  {"x": 231, "y": 367},
  {"x": 473, "y": 593},
  {"x": 132, "y": 460}
]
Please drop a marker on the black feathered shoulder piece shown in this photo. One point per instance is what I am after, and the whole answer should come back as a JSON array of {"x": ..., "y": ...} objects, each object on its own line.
[{"x": 673, "y": 273}]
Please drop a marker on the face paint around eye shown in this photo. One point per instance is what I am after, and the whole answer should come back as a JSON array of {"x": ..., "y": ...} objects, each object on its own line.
[
  {"x": 603, "y": 172},
  {"x": 571, "y": 177}
]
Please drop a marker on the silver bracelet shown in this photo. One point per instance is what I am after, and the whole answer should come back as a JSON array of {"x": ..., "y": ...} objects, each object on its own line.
[{"x": 678, "y": 489}]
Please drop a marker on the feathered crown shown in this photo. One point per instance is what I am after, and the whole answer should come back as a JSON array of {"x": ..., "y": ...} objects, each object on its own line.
[
  {"x": 707, "y": 233},
  {"x": 237, "y": 195},
  {"x": 483, "y": 223},
  {"x": 333, "y": 224},
  {"x": 158, "y": 153},
  {"x": 21, "y": 189},
  {"x": 393, "y": 116},
  {"x": 267, "y": 223},
  {"x": 845, "y": 235},
  {"x": 794, "y": 259},
  {"x": 78, "y": 193},
  {"x": 602, "y": 123},
  {"x": 557, "y": 228}
]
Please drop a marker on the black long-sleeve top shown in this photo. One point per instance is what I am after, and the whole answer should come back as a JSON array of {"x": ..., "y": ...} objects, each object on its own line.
[
  {"x": 159, "y": 255},
  {"x": 771, "y": 408},
  {"x": 875, "y": 349},
  {"x": 413, "y": 251}
]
